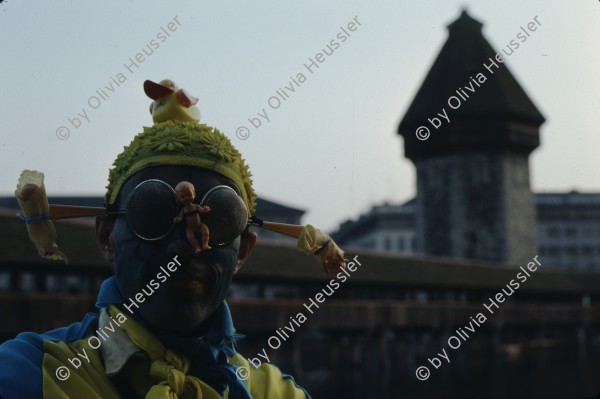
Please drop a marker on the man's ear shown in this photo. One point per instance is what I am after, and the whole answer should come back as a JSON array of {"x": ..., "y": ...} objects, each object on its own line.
[
  {"x": 104, "y": 227},
  {"x": 246, "y": 244}
]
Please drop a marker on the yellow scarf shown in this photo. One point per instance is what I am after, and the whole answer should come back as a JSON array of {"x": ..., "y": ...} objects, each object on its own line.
[
  {"x": 157, "y": 373},
  {"x": 168, "y": 368}
]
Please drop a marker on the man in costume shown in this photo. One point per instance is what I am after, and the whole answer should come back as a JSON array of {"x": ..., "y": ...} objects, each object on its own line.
[{"x": 164, "y": 329}]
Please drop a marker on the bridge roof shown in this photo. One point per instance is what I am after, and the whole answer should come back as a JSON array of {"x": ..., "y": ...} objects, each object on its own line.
[{"x": 284, "y": 263}]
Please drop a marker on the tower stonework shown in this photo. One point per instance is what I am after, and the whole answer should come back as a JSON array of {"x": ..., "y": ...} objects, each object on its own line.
[{"x": 474, "y": 197}]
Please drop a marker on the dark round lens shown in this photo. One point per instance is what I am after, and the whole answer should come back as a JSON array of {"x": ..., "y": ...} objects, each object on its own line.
[
  {"x": 228, "y": 215},
  {"x": 151, "y": 208}
]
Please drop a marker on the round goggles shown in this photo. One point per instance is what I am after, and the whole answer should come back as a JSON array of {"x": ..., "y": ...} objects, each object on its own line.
[{"x": 151, "y": 210}]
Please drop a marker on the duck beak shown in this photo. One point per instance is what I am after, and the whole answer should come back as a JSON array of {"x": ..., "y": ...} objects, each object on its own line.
[
  {"x": 156, "y": 90},
  {"x": 186, "y": 99}
]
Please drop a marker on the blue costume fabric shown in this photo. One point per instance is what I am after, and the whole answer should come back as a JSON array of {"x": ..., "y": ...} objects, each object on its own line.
[{"x": 25, "y": 372}]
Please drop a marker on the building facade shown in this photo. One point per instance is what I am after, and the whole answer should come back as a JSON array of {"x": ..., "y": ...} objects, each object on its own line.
[
  {"x": 567, "y": 225},
  {"x": 385, "y": 228},
  {"x": 569, "y": 230}
]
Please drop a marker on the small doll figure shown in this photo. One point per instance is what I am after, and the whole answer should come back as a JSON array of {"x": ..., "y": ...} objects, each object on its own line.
[{"x": 185, "y": 193}]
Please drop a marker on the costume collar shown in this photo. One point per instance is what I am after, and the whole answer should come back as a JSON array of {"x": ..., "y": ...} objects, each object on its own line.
[
  {"x": 109, "y": 293},
  {"x": 116, "y": 350},
  {"x": 208, "y": 353}
]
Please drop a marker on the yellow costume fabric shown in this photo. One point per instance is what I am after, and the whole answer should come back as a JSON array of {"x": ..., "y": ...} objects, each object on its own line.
[{"x": 161, "y": 373}]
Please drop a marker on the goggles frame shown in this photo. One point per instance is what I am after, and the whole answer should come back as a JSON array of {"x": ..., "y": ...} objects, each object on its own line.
[{"x": 177, "y": 207}]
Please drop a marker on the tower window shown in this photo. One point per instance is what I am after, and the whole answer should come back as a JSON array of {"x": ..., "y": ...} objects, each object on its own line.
[
  {"x": 554, "y": 251},
  {"x": 552, "y": 232},
  {"x": 401, "y": 244},
  {"x": 387, "y": 243}
]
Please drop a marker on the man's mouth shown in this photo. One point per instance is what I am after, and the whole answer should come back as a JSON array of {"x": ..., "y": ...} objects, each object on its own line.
[{"x": 191, "y": 275}]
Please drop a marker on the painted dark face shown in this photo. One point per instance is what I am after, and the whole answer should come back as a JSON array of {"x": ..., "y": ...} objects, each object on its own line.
[{"x": 197, "y": 288}]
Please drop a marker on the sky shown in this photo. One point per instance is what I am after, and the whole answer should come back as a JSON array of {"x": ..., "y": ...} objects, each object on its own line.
[{"x": 331, "y": 147}]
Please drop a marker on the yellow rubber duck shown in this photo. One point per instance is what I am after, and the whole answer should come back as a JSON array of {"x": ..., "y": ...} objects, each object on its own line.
[{"x": 171, "y": 102}]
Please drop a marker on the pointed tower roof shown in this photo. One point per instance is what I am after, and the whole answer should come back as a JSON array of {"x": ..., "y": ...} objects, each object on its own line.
[{"x": 496, "y": 115}]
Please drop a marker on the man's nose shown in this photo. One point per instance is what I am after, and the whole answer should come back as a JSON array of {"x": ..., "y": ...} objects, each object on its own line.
[
  {"x": 178, "y": 242},
  {"x": 180, "y": 246}
]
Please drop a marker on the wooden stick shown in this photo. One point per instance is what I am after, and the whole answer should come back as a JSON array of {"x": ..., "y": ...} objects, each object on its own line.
[
  {"x": 291, "y": 230},
  {"x": 69, "y": 211}
]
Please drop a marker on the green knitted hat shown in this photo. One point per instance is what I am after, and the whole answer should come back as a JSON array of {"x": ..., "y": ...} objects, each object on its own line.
[{"x": 176, "y": 142}]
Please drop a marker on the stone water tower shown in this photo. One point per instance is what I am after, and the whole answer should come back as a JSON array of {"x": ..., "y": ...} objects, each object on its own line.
[{"x": 473, "y": 193}]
